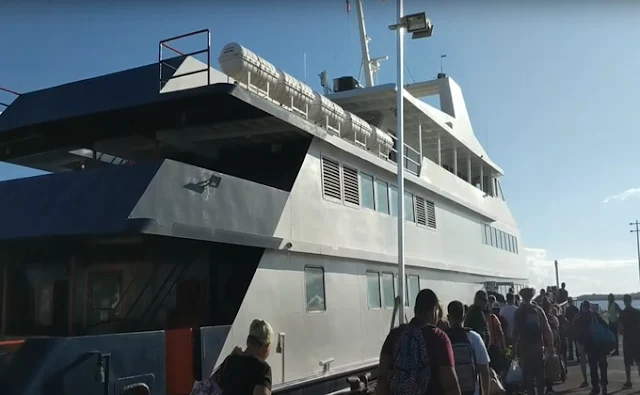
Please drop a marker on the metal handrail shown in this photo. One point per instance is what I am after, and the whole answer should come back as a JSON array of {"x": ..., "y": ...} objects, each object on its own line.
[
  {"x": 162, "y": 62},
  {"x": 407, "y": 159}
]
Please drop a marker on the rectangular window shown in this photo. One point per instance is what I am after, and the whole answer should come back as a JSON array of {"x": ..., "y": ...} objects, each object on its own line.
[
  {"x": 382, "y": 196},
  {"x": 484, "y": 235},
  {"x": 373, "y": 290},
  {"x": 314, "y": 288},
  {"x": 487, "y": 234},
  {"x": 414, "y": 288},
  {"x": 104, "y": 293},
  {"x": 510, "y": 240},
  {"x": 388, "y": 290},
  {"x": 500, "y": 239},
  {"x": 409, "y": 215},
  {"x": 515, "y": 239},
  {"x": 494, "y": 237},
  {"x": 44, "y": 305},
  {"x": 393, "y": 191},
  {"x": 366, "y": 191},
  {"x": 406, "y": 288}
]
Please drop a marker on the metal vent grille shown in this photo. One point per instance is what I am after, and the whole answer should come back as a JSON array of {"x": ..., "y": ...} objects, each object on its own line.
[
  {"x": 351, "y": 186},
  {"x": 431, "y": 214},
  {"x": 330, "y": 178},
  {"x": 421, "y": 215}
]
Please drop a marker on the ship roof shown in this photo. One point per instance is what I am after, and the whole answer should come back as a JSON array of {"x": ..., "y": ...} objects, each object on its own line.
[{"x": 123, "y": 114}]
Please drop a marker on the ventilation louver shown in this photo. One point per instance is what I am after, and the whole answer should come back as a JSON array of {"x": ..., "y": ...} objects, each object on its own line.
[
  {"x": 330, "y": 178},
  {"x": 351, "y": 186},
  {"x": 431, "y": 214},
  {"x": 421, "y": 215}
]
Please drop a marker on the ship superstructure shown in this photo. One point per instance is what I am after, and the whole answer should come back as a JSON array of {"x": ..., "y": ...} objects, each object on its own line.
[{"x": 186, "y": 201}]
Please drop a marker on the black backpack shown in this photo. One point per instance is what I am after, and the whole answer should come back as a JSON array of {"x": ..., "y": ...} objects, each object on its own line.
[
  {"x": 530, "y": 323},
  {"x": 465, "y": 360}
]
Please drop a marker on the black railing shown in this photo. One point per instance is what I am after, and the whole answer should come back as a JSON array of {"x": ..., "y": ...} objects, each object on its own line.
[{"x": 162, "y": 62}]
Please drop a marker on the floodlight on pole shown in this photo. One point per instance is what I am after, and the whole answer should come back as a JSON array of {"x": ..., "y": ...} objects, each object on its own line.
[{"x": 420, "y": 27}]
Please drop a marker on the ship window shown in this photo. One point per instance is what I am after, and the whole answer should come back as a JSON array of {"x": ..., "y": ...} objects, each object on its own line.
[
  {"x": 500, "y": 189},
  {"x": 314, "y": 286},
  {"x": 406, "y": 289},
  {"x": 351, "y": 186},
  {"x": 494, "y": 238},
  {"x": 409, "y": 214},
  {"x": 366, "y": 191},
  {"x": 487, "y": 234},
  {"x": 394, "y": 200},
  {"x": 421, "y": 215},
  {"x": 431, "y": 214},
  {"x": 512, "y": 247},
  {"x": 388, "y": 291},
  {"x": 516, "y": 244},
  {"x": 44, "y": 306},
  {"x": 414, "y": 288},
  {"x": 105, "y": 291},
  {"x": 330, "y": 178},
  {"x": 373, "y": 290},
  {"x": 500, "y": 239},
  {"x": 382, "y": 195},
  {"x": 484, "y": 234}
]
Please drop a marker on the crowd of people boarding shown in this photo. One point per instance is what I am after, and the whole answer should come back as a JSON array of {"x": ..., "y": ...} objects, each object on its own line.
[
  {"x": 520, "y": 343},
  {"x": 501, "y": 343}
]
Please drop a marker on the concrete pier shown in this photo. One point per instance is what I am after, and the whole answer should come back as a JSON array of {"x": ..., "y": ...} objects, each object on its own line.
[{"x": 616, "y": 379}]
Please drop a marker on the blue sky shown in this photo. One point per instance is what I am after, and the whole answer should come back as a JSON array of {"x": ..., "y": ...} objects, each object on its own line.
[{"x": 551, "y": 89}]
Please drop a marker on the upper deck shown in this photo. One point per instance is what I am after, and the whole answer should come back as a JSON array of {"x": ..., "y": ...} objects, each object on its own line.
[{"x": 185, "y": 110}]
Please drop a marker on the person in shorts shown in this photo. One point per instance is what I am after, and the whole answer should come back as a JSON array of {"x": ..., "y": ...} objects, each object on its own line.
[{"x": 629, "y": 327}]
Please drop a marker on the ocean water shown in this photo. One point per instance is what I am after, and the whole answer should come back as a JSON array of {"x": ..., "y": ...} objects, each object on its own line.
[{"x": 604, "y": 305}]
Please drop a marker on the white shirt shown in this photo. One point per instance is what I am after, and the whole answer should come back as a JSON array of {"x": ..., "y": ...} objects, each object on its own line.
[
  {"x": 507, "y": 312},
  {"x": 480, "y": 351}
]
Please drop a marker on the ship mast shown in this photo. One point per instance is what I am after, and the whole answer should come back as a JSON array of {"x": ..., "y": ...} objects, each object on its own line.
[{"x": 371, "y": 66}]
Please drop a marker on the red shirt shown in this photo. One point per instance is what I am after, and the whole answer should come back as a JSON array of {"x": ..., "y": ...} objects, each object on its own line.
[{"x": 438, "y": 347}]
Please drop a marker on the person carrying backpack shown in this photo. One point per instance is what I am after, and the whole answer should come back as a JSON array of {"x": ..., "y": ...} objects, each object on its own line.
[
  {"x": 469, "y": 353},
  {"x": 531, "y": 334},
  {"x": 598, "y": 341},
  {"x": 417, "y": 358}
]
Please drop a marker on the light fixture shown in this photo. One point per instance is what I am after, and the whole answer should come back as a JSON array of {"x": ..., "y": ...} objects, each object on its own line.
[
  {"x": 212, "y": 182},
  {"x": 417, "y": 24}
]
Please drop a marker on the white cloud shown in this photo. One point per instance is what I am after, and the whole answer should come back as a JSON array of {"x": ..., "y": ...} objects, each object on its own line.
[
  {"x": 628, "y": 194},
  {"x": 583, "y": 275}
]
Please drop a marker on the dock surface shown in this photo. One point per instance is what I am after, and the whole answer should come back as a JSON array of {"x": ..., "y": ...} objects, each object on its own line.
[{"x": 616, "y": 379}]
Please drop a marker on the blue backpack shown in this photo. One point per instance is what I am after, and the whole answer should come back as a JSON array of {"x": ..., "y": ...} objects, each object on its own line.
[
  {"x": 602, "y": 336},
  {"x": 410, "y": 372}
]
